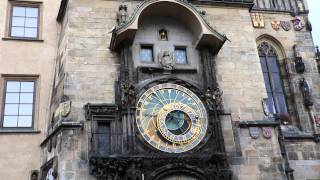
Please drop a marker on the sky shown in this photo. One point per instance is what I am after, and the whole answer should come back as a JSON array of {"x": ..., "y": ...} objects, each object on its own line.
[{"x": 314, "y": 16}]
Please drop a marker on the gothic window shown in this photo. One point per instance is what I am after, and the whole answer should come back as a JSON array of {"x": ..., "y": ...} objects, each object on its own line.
[
  {"x": 146, "y": 53},
  {"x": 271, "y": 72},
  {"x": 180, "y": 54}
]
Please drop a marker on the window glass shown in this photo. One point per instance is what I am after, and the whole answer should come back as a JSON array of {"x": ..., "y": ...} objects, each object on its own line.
[
  {"x": 12, "y": 98},
  {"x": 263, "y": 64},
  {"x": 31, "y": 22},
  {"x": 11, "y": 109},
  {"x": 32, "y": 12},
  {"x": 25, "y": 121},
  {"x": 270, "y": 103},
  {"x": 103, "y": 139},
  {"x": 10, "y": 121},
  {"x": 30, "y": 32},
  {"x": 281, "y": 102},
  {"x": 24, "y": 22},
  {"x": 146, "y": 54},
  {"x": 267, "y": 82},
  {"x": 271, "y": 73},
  {"x": 273, "y": 65},
  {"x": 19, "y": 11},
  {"x": 277, "y": 82},
  {"x": 180, "y": 55},
  {"x": 18, "y": 107},
  {"x": 13, "y": 86}
]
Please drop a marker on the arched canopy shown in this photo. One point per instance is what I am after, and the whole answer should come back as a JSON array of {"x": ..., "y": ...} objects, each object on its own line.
[{"x": 184, "y": 12}]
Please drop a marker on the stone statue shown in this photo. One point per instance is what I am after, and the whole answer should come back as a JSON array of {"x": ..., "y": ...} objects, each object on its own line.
[
  {"x": 166, "y": 60},
  {"x": 122, "y": 15},
  {"x": 217, "y": 97},
  {"x": 163, "y": 35},
  {"x": 306, "y": 92}
]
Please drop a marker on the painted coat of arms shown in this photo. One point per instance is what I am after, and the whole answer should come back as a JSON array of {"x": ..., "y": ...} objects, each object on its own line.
[
  {"x": 285, "y": 25},
  {"x": 298, "y": 25},
  {"x": 267, "y": 132},
  {"x": 275, "y": 25},
  {"x": 257, "y": 20},
  {"x": 254, "y": 132}
]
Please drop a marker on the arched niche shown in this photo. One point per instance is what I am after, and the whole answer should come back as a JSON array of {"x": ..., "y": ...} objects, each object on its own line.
[{"x": 182, "y": 11}]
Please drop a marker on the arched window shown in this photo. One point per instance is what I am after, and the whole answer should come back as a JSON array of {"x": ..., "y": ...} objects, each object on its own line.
[{"x": 271, "y": 72}]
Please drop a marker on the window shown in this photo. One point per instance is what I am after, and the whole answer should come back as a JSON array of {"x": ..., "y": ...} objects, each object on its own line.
[
  {"x": 269, "y": 63},
  {"x": 18, "y": 104},
  {"x": 180, "y": 54},
  {"x": 146, "y": 53},
  {"x": 103, "y": 139},
  {"x": 24, "y": 21}
]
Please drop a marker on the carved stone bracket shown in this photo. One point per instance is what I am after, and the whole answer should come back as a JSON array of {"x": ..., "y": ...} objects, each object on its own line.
[
  {"x": 60, "y": 126},
  {"x": 105, "y": 111},
  {"x": 246, "y": 124}
]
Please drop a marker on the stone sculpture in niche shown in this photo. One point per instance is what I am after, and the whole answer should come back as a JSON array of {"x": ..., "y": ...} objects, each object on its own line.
[
  {"x": 299, "y": 64},
  {"x": 217, "y": 97},
  {"x": 306, "y": 92},
  {"x": 166, "y": 60},
  {"x": 163, "y": 35},
  {"x": 122, "y": 15}
]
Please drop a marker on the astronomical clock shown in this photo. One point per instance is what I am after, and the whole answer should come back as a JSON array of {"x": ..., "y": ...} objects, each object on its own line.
[{"x": 171, "y": 118}]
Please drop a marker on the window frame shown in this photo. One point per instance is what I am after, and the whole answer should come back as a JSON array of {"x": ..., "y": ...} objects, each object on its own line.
[
  {"x": 146, "y": 46},
  {"x": 26, "y": 5},
  {"x": 186, "y": 52},
  {"x": 267, "y": 56},
  {"x": 4, "y": 91}
]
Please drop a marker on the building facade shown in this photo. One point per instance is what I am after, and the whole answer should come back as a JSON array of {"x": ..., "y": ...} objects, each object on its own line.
[{"x": 158, "y": 90}]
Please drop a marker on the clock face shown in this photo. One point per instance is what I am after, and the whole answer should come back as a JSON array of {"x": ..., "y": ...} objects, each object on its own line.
[{"x": 171, "y": 118}]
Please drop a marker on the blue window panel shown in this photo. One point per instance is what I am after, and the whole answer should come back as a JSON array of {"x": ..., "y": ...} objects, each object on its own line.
[
  {"x": 180, "y": 56},
  {"x": 146, "y": 54}
]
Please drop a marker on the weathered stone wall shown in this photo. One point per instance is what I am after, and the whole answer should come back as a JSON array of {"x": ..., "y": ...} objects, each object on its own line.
[{"x": 304, "y": 158}]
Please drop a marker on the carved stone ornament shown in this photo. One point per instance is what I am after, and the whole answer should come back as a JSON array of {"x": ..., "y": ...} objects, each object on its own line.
[
  {"x": 265, "y": 107},
  {"x": 275, "y": 25},
  {"x": 285, "y": 25},
  {"x": 166, "y": 60},
  {"x": 298, "y": 25},
  {"x": 65, "y": 108},
  {"x": 163, "y": 35},
  {"x": 306, "y": 93},
  {"x": 267, "y": 132},
  {"x": 257, "y": 20},
  {"x": 122, "y": 15},
  {"x": 317, "y": 120},
  {"x": 217, "y": 97},
  {"x": 254, "y": 132},
  {"x": 299, "y": 64},
  {"x": 50, "y": 169}
]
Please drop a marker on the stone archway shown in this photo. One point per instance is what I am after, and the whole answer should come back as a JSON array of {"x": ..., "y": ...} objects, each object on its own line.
[{"x": 184, "y": 12}]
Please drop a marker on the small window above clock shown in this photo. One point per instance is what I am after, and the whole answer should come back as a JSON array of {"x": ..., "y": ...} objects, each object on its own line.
[
  {"x": 146, "y": 53},
  {"x": 180, "y": 54}
]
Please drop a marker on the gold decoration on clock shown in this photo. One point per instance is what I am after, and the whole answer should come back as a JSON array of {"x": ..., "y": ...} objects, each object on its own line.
[{"x": 171, "y": 118}]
